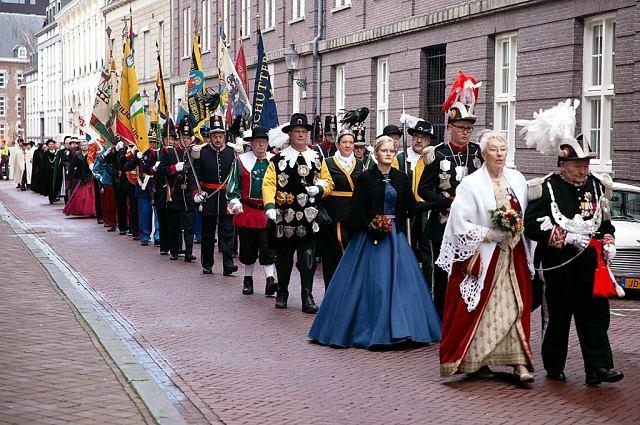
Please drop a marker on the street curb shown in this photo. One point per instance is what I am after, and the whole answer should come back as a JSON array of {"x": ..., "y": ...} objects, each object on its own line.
[{"x": 152, "y": 395}]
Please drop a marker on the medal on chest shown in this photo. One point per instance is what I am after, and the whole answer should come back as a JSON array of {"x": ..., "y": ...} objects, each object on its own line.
[
  {"x": 461, "y": 172},
  {"x": 587, "y": 205},
  {"x": 283, "y": 179},
  {"x": 476, "y": 163}
]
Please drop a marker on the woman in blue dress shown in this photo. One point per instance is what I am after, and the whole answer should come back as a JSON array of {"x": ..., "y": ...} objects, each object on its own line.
[{"x": 378, "y": 296}]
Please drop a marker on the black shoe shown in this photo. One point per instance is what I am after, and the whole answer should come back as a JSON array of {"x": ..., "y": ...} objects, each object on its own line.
[
  {"x": 189, "y": 258},
  {"x": 601, "y": 375},
  {"x": 135, "y": 238},
  {"x": 207, "y": 270},
  {"x": 156, "y": 243},
  {"x": 271, "y": 287},
  {"x": 100, "y": 221},
  {"x": 557, "y": 376},
  {"x": 247, "y": 287},
  {"x": 228, "y": 271},
  {"x": 111, "y": 229},
  {"x": 173, "y": 257},
  {"x": 196, "y": 241},
  {"x": 122, "y": 232},
  {"x": 144, "y": 243},
  {"x": 309, "y": 307},
  {"x": 281, "y": 301},
  {"x": 164, "y": 252}
]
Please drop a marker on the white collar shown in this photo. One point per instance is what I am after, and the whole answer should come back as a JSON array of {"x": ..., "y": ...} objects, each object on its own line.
[
  {"x": 291, "y": 156},
  {"x": 248, "y": 160}
]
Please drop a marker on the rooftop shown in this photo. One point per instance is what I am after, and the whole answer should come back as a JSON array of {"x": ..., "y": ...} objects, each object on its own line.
[{"x": 18, "y": 30}]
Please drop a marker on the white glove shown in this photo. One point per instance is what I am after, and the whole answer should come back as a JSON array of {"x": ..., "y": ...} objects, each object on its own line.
[
  {"x": 179, "y": 166},
  {"x": 271, "y": 214},
  {"x": 199, "y": 197},
  {"x": 156, "y": 165},
  {"x": 576, "y": 239},
  {"x": 139, "y": 155},
  {"x": 545, "y": 223},
  {"x": 313, "y": 190},
  {"x": 609, "y": 251},
  {"x": 235, "y": 206},
  {"x": 119, "y": 146},
  {"x": 496, "y": 236}
]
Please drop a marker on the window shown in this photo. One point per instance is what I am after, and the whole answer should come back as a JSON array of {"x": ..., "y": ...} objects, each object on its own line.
[
  {"x": 161, "y": 41},
  {"x": 340, "y": 91},
  {"x": 19, "y": 77},
  {"x": 297, "y": 93},
  {"x": 297, "y": 10},
  {"x": 3, "y": 79},
  {"x": 269, "y": 14},
  {"x": 342, "y": 4},
  {"x": 598, "y": 87},
  {"x": 186, "y": 32},
  {"x": 18, "y": 106},
  {"x": 435, "y": 87},
  {"x": 272, "y": 72},
  {"x": 382, "y": 103},
  {"x": 3, "y": 131},
  {"x": 146, "y": 54},
  {"x": 505, "y": 91},
  {"x": 22, "y": 52},
  {"x": 245, "y": 18},
  {"x": 205, "y": 39},
  {"x": 3, "y": 106},
  {"x": 225, "y": 17}
]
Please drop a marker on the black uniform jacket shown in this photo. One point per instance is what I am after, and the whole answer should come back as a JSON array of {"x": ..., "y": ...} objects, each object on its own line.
[
  {"x": 571, "y": 200},
  {"x": 337, "y": 203},
  {"x": 180, "y": 184},
  {"x": 213, "y": 168},
  {"x": 438, "y": 184},
  {"x": 368, "y": 199}
]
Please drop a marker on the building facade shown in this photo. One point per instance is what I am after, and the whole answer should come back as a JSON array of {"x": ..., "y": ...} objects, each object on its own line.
[
  {"x": 17, "y": 44},
  {"x": 388, "y": 55},
  {"x": 81, "y": 28}
]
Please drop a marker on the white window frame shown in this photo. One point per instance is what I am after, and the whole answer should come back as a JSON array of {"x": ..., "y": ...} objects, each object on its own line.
[
  {"x": 225, "y": 17},
  {"x": 186, "y": 32},
  {"x": 19, "y": 77},
  {"x": 341, "y": 4},
  {"x": 599, "y": 92},
  {"x": 18, "y": 106},
  {"x": 504, "y": 104},
  {"x": 22, "y": 53},
  {"x": 3, "y": 79},
  {"x": 382, "y": 93},
  {"x": 3, "y": 106},
  {"x": 245, "y": 19},
  {"x": 146, "y": 54},
  {"x": 272, "y": 70},
  {"x": 296, "y": 93},
  {"x": 269, "y": 15},
  {"x": 3, "y": 131},
  {"x": 340, "y": 91},
  {"x": 205, "y": 36},
  {"x": 297, "y": 10}
]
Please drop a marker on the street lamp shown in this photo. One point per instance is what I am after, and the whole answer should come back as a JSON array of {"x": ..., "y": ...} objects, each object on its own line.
[{"x": 292, "y": 61}]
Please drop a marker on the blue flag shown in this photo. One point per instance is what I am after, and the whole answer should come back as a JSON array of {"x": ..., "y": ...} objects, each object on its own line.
[{"x": 265, "y": 112}]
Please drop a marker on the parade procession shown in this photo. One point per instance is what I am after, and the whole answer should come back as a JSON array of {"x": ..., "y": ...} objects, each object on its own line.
[{"x": 237, "y": 242}]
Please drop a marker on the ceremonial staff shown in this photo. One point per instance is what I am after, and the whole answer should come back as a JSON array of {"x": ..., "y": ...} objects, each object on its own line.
[{"x": 406, "y": 163}]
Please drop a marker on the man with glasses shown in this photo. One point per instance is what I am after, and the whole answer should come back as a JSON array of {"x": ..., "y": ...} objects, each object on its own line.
[{"x": 445, "y": 168}]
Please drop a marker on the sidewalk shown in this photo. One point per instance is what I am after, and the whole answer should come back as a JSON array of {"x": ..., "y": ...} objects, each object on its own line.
[{"x": 52, "y": 370}]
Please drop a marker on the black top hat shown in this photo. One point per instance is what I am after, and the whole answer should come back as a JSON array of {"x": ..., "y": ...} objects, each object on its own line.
[
  {"x": 185, "y": 127},
  {"x": 257, "y": 133},
  {"x": 422, "y": 127},
  {"x": 574, "y": 151},
  {"x": 317, "y": 128},
  {"x": 216, "y": 124},
  {"x": 359, "y": 133},
  {"x": 169, "y": 129},
  {"x": 297, "y": 120},
  {"x": 330, "y": 124},
  {"x": 152, "y": 135},
  {"x": 390, "y": 130}
]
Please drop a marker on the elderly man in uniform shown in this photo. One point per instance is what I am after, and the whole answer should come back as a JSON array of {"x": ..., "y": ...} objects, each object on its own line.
[
  {"x": 569, "y": 217},
  {"x": 244, "y": 192},
  {"x": 289, "y": 191},
  {"x": 213, "y": 163},
  {"x": 444, "y": 170}
]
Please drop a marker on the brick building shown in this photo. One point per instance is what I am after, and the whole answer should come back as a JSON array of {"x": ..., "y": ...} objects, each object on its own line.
[
  {"x": 16, "y": 45},
  {"x": 375, "y": 53}
]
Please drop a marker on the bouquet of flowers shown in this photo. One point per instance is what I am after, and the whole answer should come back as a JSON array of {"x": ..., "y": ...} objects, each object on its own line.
[
  {"x": 380, "y": 226},
  {"x": 507, "y": 220}
]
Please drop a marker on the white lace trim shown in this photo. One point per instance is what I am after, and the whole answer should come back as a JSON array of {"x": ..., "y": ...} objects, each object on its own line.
[{"x": 461, "y": 248}]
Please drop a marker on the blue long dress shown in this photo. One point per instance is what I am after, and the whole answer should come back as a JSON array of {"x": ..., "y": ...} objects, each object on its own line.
[{"x": 378, "y": 296}]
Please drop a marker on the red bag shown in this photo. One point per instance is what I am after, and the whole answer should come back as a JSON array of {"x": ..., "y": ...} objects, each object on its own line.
[{"x": 604, "y": 285}]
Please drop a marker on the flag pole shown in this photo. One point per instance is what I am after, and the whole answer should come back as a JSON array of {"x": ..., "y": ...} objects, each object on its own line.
[{"x": 406, "y": 164}]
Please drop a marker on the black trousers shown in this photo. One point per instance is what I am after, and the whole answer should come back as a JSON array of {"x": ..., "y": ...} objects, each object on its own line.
[
  {"x": 226, "y": 236},
  {"x": 134, "y": 227},
  {"x": 254, "y": 245},
  {"x": 96, "y": 187},
  {"x": 440, "y": 279},
  {"x": 569, "y": 292},
  {"x": 121, "y": 207},
  {"x": 178, "y": 222},
  {"x": 163, "y": 225},
  {"x": 305, "y": 253},
  {"x": 334, "y": 239}
]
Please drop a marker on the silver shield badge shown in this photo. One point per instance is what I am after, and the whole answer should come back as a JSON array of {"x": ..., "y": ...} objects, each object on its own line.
[
  {"x": 302, "y": 199},
  {"x": 301, "y": 231},
  {"x": 282, "y": 164},
  {"x": 289, "y": 231},
  {"x": 278, "y": 216},
  {"x": 310, "y": 213},
  {"x": 283, "y": 179},
  {"x": 279, "y": 232},
  {"x": 303, "y": 170},
  {"x": 299, "y": 215},
  {"x": 445, "y": 182},
  {"x": 476, "y": 163},
  {"x": 288, "y": 215},
  {"x": 315, "y": 227}
]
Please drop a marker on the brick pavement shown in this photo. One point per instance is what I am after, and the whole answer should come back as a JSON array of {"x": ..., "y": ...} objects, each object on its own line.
[
  {"x": 52, "y": 370},
  {"x": 242, "y": 361}
]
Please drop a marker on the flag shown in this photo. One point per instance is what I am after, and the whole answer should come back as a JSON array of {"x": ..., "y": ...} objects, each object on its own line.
[
  {"x": 131, "y": 124},
  {"x": 102, "y": 114},
  {"x": 232, "y": 93},
  {"x": 155, "y": 121},
  {"x": 241, "y": 68},
  {"x": 192, "y": 103},
  {"x": 160, "y": 97},
  {"x": 265, "y": 112}
]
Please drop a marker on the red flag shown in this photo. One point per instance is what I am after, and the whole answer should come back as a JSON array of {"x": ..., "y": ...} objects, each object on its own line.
[{"x": 241, "y": 68}]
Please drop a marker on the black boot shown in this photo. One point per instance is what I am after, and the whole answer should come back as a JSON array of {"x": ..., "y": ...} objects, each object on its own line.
[
  {"x": 308, "y": 304},
  {"x": 600, "y": 375},
  {"x": 282, "y": 296},
  {"x": 271, "y": 287},
  {"x": 247, "y": 287}
]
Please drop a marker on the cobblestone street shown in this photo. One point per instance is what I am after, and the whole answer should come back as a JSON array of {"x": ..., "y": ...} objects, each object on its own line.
[{"x": 224, "y": 357}]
